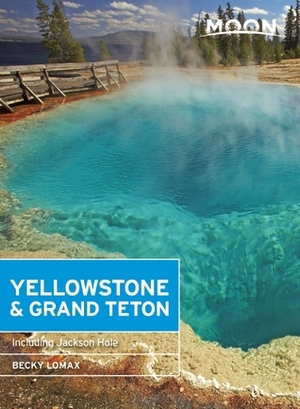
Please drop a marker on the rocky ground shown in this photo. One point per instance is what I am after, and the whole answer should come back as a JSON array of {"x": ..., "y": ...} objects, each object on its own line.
[
  {"x": 108, "y": 392},
  {"x": 287, "y": 72}
]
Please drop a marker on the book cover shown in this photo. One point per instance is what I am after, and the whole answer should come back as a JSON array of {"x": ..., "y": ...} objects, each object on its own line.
[{"x": 149, "y": 205}]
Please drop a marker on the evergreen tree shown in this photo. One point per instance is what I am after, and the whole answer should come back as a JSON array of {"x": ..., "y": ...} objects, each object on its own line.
[
  {"x": 269, "y": 51},
  {"x": 297, "y": 23},
  {"x": 104, "y": 53},
  {"x": 297, "y": 51},
  {"x": 227, "y": 44},
  {"x": 245, "y": 47},
  {"x": 207, "y": 46},
  {"x": 56, "y": 33},
  {"x": 277, "y": 47},
  {"x": 203, "y": 25},
  {"x": 290, "y": 30},
  {"x": 233, "y": 40},
  {"x": 44, "y": 19},
  {"x": 197, "y": 31},
  {"x": 259, "y": 45},
  {"x": 222, "y": 41},
  {"x": 220, "y": 13},
  {"x": 278, "y": 51}
]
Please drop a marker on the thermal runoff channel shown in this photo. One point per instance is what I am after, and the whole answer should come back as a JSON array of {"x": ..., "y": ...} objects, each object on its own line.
[{"x": 205, "y": 172}]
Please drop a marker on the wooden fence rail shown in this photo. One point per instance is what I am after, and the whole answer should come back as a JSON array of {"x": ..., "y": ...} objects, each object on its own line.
[{"x": 33, "y": 82}]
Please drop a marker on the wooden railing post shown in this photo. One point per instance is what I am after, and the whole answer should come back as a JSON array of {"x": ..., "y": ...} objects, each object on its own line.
[
  {"x": 121, "y": 75},
  {"x": 97, "y": 79},
  {"x": 6, "y": 106},
  {"x": 26, "y": 90},
  {"x": 21, "y": 83},
  {"x": 107, "y": 75},
  {"x": 51, "y": 85}
]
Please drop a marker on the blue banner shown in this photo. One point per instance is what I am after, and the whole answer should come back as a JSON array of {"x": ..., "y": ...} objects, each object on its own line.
[{"x": 89, "y": 295}]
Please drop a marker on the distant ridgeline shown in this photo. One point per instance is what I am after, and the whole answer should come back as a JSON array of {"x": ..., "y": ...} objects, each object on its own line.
[{"x": 123, "y": 46}]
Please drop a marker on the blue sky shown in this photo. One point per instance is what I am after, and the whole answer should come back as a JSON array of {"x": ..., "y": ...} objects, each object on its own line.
[{"x": 98, "y": 17}]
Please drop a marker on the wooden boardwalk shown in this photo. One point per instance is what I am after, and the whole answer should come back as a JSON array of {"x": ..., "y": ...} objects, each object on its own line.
[{"x": 31, "y": 83}]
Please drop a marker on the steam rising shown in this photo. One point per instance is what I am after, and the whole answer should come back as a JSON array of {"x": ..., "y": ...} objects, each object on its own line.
[{"x": 196, "y": 169}]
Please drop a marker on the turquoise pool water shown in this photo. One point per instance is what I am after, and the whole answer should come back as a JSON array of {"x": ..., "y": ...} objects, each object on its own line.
[{"x": 206, "y": 173}]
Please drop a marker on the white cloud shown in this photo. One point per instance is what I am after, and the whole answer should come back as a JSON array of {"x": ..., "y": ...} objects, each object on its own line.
[
  {"x": 30, "y": 31},
  {"x": 13, "y": 30},
  {"x": 100, "y": 15},
  {"x": 185, "y": 24},
  {"x": 130, "y": 24},
  {"x": 110, "y": 13},
  {"x": 254, "y": 10},
  {"x": 29, "y": 21},
  {"x": 153, "y": 11},
  {"x": 17, "y": 30},
  {"x": 85, "y": 21},
  {"x": 27, "y": 25},
  {"x": 72, "y": 5},
  {"x": 281, "y": 19},
  {"x": 80, "y": 20},
  {"x": 195, "y": 16},
  {"x": 151, "y": 8},
  {"x": 89, "y": 14},
  {"x": 9, "y": 21},
  {"x": 123, "y": 5},
  {"x": 3, "y": 11},
  {"x": 121, "y": 15}
]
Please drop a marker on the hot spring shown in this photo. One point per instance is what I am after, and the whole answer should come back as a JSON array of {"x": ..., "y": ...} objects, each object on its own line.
[{"x": 208, "y": 173}]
